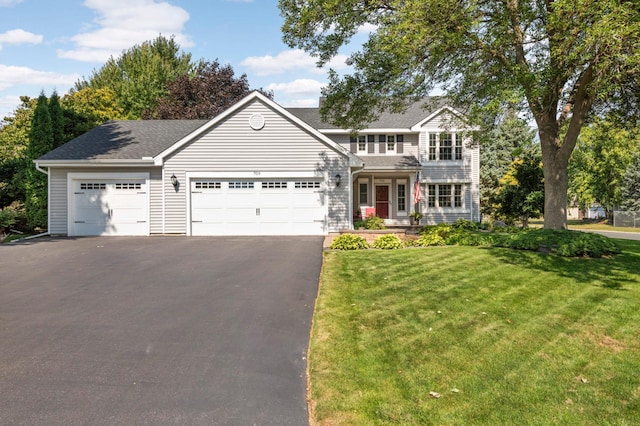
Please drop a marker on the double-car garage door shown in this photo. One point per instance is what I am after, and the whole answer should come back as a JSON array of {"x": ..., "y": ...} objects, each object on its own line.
[{"x": 257, "y": 207}]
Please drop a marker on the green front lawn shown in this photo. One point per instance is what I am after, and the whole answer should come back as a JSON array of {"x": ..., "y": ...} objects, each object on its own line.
[{"x": 467, "y": 335}]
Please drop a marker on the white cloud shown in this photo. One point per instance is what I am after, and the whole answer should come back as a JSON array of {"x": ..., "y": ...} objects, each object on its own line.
[
  {"x": 300, "y": 103},
  {"x": 120, "y": 25},
  {"x": 8, "y": 104},
  {"x": 9, "y": 2},
  {"x": 19, "y": 36},
  {"x": 302, "y": 86},
  {"x": 13, "y": 76},
  {"x": 289, "y": 60}
]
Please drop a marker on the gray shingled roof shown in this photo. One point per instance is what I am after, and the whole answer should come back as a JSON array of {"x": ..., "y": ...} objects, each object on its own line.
[
  {"x": 414, "y": 114},
  {"x": 372, "y": 162},
  {"x": 125, "y": 140}
]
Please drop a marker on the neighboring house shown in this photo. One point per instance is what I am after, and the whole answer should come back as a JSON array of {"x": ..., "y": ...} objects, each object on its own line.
[{"x": 258, "y": 169}]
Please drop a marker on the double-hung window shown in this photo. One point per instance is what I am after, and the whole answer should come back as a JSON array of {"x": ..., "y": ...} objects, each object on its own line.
[
  {"x": 445, "y": 196},
  {"x": 362, "y": 143},
  {"x": 444, "y": 147},
  {"x": 391, "y": 143}
]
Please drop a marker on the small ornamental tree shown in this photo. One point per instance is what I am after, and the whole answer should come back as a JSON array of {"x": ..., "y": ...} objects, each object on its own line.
[
  {"x": 521, "y": 192},
  {"x": 40, "y": 142}
]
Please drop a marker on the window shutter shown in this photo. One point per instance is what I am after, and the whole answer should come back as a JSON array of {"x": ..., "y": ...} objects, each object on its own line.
[
  {"x": 353, "y": 142},
  {"x": 383, "y": 143},
  {"x": 371, "y": 141},
  {"x": 399, "y": 144}
]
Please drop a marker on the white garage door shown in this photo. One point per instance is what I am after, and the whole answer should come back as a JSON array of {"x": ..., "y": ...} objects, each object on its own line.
[
  {"x": 109, "y": 207},
  {"x": 257, "y": 207}
]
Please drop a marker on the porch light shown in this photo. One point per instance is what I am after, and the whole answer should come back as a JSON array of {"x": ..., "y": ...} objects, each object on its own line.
[
  {"x": 174, "y": 181},
  {"x": 338, "y": 179}
]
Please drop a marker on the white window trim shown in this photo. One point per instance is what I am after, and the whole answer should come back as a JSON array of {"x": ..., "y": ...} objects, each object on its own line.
[
  {"x": 406, "y": 197},
  {"x": 456, "y": 136},
  {"x": 367, "y": 204},
  {"x": 451, "y": 209},
  {"x": 358, "y": 150}
]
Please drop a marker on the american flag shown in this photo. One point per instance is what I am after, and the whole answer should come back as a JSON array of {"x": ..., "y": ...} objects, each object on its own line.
[{"x": 416, "y": 189}]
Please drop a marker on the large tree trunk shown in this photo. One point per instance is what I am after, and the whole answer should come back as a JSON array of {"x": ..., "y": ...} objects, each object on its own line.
[
  {"x": 556, "y": 182},
  {"x": 556, "y": 178}
]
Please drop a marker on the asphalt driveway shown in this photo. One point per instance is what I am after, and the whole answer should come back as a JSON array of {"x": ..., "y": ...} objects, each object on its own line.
[{"x": 157, "y": 331}]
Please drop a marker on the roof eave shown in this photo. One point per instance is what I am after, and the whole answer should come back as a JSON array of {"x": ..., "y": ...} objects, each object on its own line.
[{"x": 96, "y": 163}]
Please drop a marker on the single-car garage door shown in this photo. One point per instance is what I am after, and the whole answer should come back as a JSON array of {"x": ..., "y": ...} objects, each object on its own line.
[
  {"x": 109, "y": 207},
  {"x": 257, "y": 207}
]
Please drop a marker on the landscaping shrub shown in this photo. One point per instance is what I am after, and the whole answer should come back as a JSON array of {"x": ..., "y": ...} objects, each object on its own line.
[
  {"x": 442, "y": 230},
  {"x": 429, "y": 239},
  {"x": 349, "y": 242},
  {"x": 562, "y": 242},
  {"x": 464, "y": 225},
  {"x": 387, "y": 242},
  {"x": 7, "y": 218},
  {"x": 374, "y": 222}
]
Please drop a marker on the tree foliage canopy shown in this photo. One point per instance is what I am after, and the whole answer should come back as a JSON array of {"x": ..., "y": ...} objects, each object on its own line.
[
  {"x": 204, "y": 94},
  {"x": 631, "y": 186},
  {"x": 564, "y": 58},
  {"x": 499, "y": 149},
  {"x": 599, "y": 162},
  {"x": 139, "y": 76}
]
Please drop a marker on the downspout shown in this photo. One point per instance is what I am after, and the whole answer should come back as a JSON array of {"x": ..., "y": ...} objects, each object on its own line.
[{"x": 46, "y": 172}]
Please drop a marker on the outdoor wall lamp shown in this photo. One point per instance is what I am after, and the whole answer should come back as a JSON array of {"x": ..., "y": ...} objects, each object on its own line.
[
  {"x": 338, "y": 179},
  {"x": 174, "y": 181}
]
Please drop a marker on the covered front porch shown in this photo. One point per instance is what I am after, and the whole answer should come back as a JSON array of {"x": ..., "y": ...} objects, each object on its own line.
[{"x": 386, "y": 189}]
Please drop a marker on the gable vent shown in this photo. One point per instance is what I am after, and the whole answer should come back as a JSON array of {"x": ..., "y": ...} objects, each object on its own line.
[{"x": 256, "y": 121}]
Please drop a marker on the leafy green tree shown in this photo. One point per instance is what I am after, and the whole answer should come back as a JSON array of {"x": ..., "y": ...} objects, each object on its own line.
[
  {"x": 631, "y": 186},
  {"x": 14, "y": 139},
  {"x": 565, "y": 58},
  {"x": 139, "y": 76},
  {"x": 57, "y": 120},
  {"x": 87, "y": 108},
  {"x": 209, "y": 91},
  {"x": 521, "y": 192},
  {"x": 40, "y": 142},
  {"x": 498, "y": 150},
  {"x": 598, "y": 164}
]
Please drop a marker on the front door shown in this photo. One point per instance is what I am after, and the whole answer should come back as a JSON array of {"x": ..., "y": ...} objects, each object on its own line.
[{"x": 382, "y": 201}]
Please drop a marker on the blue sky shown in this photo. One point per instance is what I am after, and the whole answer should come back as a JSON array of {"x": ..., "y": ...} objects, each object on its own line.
[{"x": 50, "y": 44}]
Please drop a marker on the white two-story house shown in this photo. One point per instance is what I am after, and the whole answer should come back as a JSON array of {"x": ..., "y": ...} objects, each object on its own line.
[
  {"x": 430, "y": 143},
  {"x": 261, "y": 169}
]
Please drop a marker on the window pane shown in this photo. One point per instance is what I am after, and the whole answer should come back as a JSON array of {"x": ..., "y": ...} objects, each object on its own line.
[
  {"x": 402, "y": 205},
  {"x": 363, "y": 193},
  {"x": 391, "y": 143},
  {"x": 444, "y": 195},
  {"x": 457, "y": 196},
  {"x": 362, "y": 143},
  {"x": 432, "y": 147},
  {"x": 432, "y": 195},
  {"x": 446, "y": 146},
  {"x": 458, "y": 152}
]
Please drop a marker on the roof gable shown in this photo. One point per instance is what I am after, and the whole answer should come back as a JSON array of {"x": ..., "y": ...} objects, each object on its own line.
[{"x": 255, "y": 96}]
